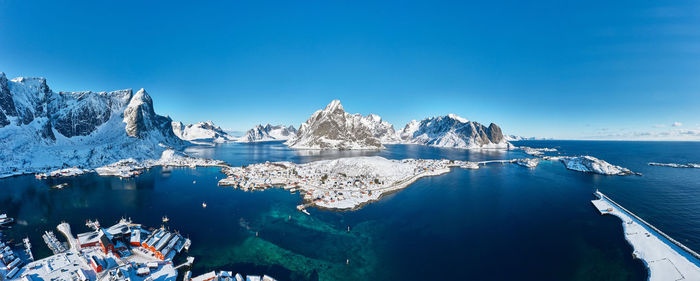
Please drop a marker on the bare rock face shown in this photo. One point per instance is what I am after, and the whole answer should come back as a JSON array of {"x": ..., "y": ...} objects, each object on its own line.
[
  {"x": 7, "y": 105},
  {"x": 80, "y": 113},
  {"x": 137, "y": 115},
  {"x": 453, "y": 131},
  {"x": 141, "y": 121},
  {"x": 495, "y": 134},
  {"x": 333, "y": 128}
]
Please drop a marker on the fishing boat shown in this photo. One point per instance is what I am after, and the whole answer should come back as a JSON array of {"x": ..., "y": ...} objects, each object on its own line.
[
  {"x": 60, "y": 185},
  {"x": 5, "y": 220},
  {"x": 204, "y": 204},
  {"x": 166, "y": 219}
]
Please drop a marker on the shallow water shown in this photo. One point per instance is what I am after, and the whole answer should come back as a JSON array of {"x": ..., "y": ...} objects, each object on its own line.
[{"x": 501, "y": 222}]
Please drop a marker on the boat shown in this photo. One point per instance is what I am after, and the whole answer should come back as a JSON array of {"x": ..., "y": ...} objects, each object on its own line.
[
  {"x": 166, "y": 219},
  {"x": 5, "y": 220},
  {"x": 28, "y": 248},
  {"x": 204, "y": 204},
  {"x": 59, "y": 186}
]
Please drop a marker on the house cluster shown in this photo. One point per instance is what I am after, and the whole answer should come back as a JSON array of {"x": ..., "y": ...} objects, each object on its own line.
[
  {"x": 67, "y": 172},
  {"x": 332, "y": 188},
  {"x": 124, "y": 252},
  {"x": 10, "y": 263}
]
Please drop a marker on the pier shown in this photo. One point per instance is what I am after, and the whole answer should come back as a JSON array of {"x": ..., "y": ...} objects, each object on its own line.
[
  {"x": 64, "y": 228},
  {"x": 666, "y": 258},
  {"x": 52, "y": 242}
]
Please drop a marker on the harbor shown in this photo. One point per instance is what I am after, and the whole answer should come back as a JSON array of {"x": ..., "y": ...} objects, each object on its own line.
[
  {"x": 665, "y": 258},
  {"x": 125, "y": 251}
]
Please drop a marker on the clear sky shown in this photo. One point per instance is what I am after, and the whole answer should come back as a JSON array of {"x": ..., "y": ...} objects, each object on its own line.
[{"x": 563, "y": 69}]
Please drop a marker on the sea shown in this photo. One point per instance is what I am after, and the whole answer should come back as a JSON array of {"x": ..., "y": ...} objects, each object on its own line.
[{"x": 500, "y": 222}]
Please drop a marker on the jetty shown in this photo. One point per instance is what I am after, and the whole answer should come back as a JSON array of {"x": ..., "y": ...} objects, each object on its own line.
[
  {"x": 665, "y": 257},
  {"x": 52, "y": 242}
]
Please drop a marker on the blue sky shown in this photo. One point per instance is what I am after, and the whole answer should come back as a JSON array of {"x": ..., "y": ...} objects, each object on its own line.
[{"x": 563, "y": 69}]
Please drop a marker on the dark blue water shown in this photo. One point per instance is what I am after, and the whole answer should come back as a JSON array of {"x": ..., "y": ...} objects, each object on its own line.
[{"x": 501, "y": 222}]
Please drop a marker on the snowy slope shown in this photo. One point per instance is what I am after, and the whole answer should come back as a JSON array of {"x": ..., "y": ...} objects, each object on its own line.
[
  {"x": 333, "y": 128},
  {"x": 43, "y": 130},
  {"x": 268, "y": 132},
  {"x": 453, "y": 131},
  {"x": 380, "y": 129},
  {"x": 201, "y": 131}
]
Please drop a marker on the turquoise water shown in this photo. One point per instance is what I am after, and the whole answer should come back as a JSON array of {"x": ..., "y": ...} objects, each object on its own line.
[{"x": 501, "y": 222}]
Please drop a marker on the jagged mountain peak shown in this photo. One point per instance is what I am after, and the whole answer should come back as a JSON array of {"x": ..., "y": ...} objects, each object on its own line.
[
  {"x": 260, "y": 133},
  {"x": 453, "y": 131},
  {"x": 333, "y": 106},
  {"x": 85, "y": 129},
  {"x": 333, "y": 128},
  {"x": 205, "y": 131},
  {"x": 457, "y": 117}
]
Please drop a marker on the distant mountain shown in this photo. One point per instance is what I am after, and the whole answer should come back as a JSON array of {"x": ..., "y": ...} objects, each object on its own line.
[
  {"x": 268, "y": 133},
  {"x": 380, "y": 129},
  {"x": 333, "y": 128},
  {"x": 453, "y": 131},
  {"x": 521, "y": 138},
  {"x": 41, "y": 129},
  {"x": 202, "y": 131}
]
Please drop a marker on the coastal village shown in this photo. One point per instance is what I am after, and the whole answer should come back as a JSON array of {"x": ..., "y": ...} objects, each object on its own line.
[
  {"x": 345, "y": 183},
  {"x": 124, "y": 251}
]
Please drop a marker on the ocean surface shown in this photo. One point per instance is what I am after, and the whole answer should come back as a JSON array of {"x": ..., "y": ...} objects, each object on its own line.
[{"x": 501, "y": 222}]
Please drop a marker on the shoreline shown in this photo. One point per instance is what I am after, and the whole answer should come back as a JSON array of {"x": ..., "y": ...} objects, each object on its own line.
[
  {"x": 664, "y": 257},
  {"x": 389, "y": 190}
]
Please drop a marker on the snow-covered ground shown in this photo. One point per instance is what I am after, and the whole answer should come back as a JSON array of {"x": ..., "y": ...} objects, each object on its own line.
[
  {"x": 346, "y": 183},
  {"x": 130, "y": 167},
  {"x": 665, "y": 258},
  {"x": 590, "y": 164},
  {"x": 124, "y": 258},
  {"x": 528, "y": 162},
  {"x": 676, "y": 165},
  {"x": 536, "y": 151},
  {"x": 67, "y": 172}
]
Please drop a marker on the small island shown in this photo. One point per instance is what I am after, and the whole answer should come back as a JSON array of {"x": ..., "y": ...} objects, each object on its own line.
[{"x": 346, "y": 183}]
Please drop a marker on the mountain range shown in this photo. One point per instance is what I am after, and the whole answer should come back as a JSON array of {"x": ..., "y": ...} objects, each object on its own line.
[
  {"x": 333, "y": 128},
  {"x": 268, "y": 132},
  {"x": 41, "y": 129}
]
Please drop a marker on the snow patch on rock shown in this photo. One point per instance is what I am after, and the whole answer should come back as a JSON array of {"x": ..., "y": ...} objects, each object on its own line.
[{"x": 590, "y": 164}]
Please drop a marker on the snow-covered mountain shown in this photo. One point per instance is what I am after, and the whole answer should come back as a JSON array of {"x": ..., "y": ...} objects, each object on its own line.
[
  {"x": 268, "y": 133},
  {"x": 453, "y": 131},
  {"x": 380, "y": 129},
  {"x": 333, "y": 128},
  {"x": 201, "y": 131},
  {"x": 41, "y": 129},
  {"x": 521, "y": 138}
]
